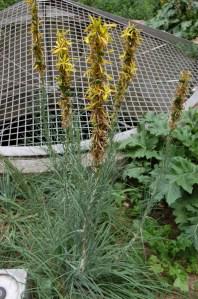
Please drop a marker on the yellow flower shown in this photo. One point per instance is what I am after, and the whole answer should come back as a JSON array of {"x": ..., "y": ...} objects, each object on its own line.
[
  {"x": 65, "y": 64},
  {"x": 98, "y": 32},
  {"x": 30, "y": 2},
  {"x": 62, "y": 44}
]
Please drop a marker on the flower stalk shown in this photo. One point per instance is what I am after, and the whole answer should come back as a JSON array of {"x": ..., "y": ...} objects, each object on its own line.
[
  {"x": 99, "y": 91},
  {"x": 39, "y": 61},
  {"x": 180, "y": 99},
  {"x": 38, "y": 51},
  {"x": 131, "y": 40},
  {"x": 65, "y": 71}
]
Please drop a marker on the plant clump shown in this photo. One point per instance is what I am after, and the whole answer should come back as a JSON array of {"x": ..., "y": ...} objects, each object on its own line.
[
  {"x": 65, "y": 71},
  {"x": 43, "y": 222},
  {"x": 82, "y": 244}
]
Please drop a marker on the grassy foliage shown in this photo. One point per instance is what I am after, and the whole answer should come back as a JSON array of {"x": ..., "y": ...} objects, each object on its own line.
[{"x": 63, "y": 228}]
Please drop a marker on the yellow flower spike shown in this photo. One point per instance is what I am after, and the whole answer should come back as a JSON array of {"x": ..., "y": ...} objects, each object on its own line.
[
  {"x": 62, "y": 44},
  {"x": 131, "y": 40},
  {"x": 98, "y": 38},
  {"x": 30, "y": 2},
  {"x": 180, "y": 99},
  {"x": 65, "y": 71},
  {"x": 65, "y": 64},
  {"x": 38, "y": 52}
]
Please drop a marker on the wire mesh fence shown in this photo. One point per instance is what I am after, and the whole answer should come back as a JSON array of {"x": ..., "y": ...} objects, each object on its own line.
[{"x": 21, "y": 122}]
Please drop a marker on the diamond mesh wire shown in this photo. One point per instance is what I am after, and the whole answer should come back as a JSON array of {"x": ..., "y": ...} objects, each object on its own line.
[{"x": 159, "y": 65}]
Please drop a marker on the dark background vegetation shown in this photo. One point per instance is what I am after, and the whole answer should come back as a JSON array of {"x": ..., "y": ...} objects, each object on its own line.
[
  {"x": 179, "y": 17},
  {"x": 132, "y": 9},
  {"x": 6, "y": 3}
]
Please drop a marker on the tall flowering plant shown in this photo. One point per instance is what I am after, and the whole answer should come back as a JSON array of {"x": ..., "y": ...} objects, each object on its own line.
[
  {"x": 131, "y": 40},
  {"x": 65, "y": 71},
  {"x": 99, "y": 91},
  {"x": 180, "y": 98},
  {"x": 38, "y": 51}
]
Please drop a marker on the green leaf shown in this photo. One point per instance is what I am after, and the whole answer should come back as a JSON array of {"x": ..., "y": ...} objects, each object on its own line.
[
  {"x": 141, "y": 145},
  {"x": 180, "y": 213},
  {"x": 138, "y": 171},
  {"x": 184, "y": 173},
  {"x": 155, "y": 265},
  {"x": 173, "y": 193},
  {"x": 186, "y": 216},
  {"x": 183, "y": 134},
  {"x": 135, "y": 173},
  {"x": 162, "y": 188},
  {"x": 126, "y": 143},
  {"x": 118, "y": 193},
  {"x": 187, "y": 131},
  {"x": 143, "y": 153},
  {"x": 156, "y": 124},
  {"x": 192, "y": 233},
  {"x": 186, "y": 24},
  {"x": 181, "y": 283},
  {"x": 190, "y": 119}
]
